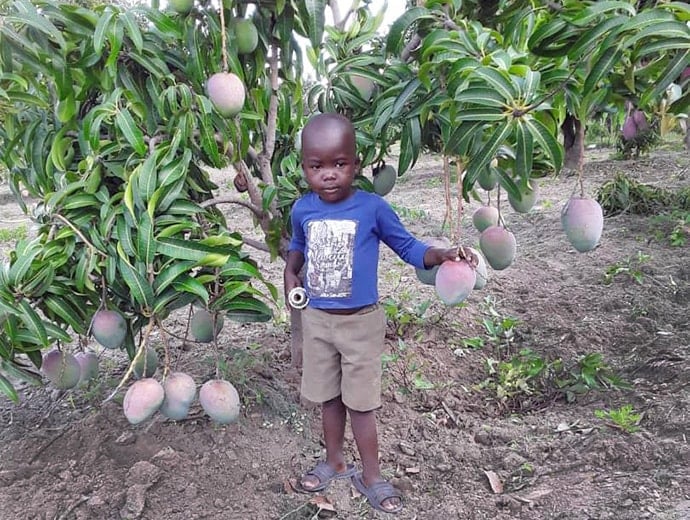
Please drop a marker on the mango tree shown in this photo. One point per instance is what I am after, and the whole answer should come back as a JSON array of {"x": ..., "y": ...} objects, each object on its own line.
[{"x": 108, "y": 137}]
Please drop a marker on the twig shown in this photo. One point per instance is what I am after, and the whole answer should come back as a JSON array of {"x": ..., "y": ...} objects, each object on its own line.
[
  {"x": 141, "y": 351},
  {"x": 223, "y": 38},
  {"x": 290, "y": 513},
  {"x": 450, "y": 413},
  {"x": 231, "y": 199},
  {"x": 80, "y": 234},
  {"x": 47, "y": 445},
  {"x": 71, "y": 508}
]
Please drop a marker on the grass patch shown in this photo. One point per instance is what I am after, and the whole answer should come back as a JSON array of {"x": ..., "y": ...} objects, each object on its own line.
[{"x": 12, "y": 235}]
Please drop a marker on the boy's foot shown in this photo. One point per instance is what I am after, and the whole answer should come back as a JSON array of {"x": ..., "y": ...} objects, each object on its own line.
[
  {"x": 380, "y": 494},
  {"x": 320, "y": 477}
]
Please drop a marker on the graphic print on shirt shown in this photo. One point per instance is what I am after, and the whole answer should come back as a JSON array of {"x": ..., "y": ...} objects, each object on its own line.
[{"x": 329, "y": 257}]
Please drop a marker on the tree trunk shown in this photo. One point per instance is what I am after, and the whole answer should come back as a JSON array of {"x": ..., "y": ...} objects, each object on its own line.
[{"x": 573, "y": 142}]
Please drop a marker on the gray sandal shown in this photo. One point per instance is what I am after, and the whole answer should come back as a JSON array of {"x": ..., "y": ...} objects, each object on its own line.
[
  {"x": 377, "y": 493},
  {"x": 325, "y": 475}
]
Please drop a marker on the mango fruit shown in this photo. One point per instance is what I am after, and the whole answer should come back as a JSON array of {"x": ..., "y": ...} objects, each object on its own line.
[
  {"x": 220, "y": 401},
  {"x": 142, "y": 400},
  {"x": 109, "y": 328},
  {"x": 499, "y": 247}
]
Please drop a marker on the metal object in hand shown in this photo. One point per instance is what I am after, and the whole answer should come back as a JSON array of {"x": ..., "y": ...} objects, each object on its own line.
[{"x": 298, "y": 298}]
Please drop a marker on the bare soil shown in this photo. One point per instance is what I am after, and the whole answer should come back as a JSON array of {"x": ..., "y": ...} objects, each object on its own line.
[{"x": 443, "y": 430}]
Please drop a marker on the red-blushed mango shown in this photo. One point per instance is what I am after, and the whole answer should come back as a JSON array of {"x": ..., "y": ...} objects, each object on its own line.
[
  {"x": 246, "y": 35},
  {"x": 181, "y": 6},
  {"x": 62, "y": 369},
  {"x": 145, "y": 365},
  {"x": 528, "y": 200},
  {"x": 455, "y": 281},
  {"x": 227, "y": 93},
  {"x": 201, "y": 325},
  {"x": 499, "y": 247},
  {"x": 142, "y": 400},
  {"x": 109, "y": 328},
  {"x": 629, "y": 128},
  {"x": 481, "y": 270},
  {"x": 88, "y": 363},
  {"x": 487, "y": 179},
  {"x": 220, "y": 401},
  {"x": 484, "y": 217},
  {"x": 583, "y": 222},
  {"x": 180, "y": 391},
  {"x": 384, "y": 180},
  {"x": 365, "y": 87},
  {"x": 428, "y": 276}
]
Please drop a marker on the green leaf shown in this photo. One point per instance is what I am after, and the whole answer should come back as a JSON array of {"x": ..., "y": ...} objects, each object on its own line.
[
  {"x": 9, "y": 390},
  {"x": 603, "y": 66},
  {"x": 29, "y": 15},
  {"x": 485, "y": 154},
  {"x": 22, "y": 372},
  {"x": 33, "y": 322},
  {"x": 26, "y": 253},
  {"x": 101, "y": 31},
  {"x": 397, "y": 32},
  {"x": 499, "y": 81},
  {"x": 596, "y": 9},
  {"x": 480, "y": 96},
  {"x": 191, "y": 285},
  {"x": 171, "y": 273},
  {"x": 523, "y": 152},
  {"x": 130, "y": 130},
  {"x": 184, "y": 249},
  {"x": 315, "y": 10},
  {"x": 591, "y": 38},
  {"x": 541, "y": 134},
  {"x": 410, "y": 144},
  {"x": 148, "y": 177},
  {"x": 132, "y": 28},
  {"x": 64, "y": 310},
  {"x": 662, "y": 30},
  {"x": 673, "y": 69},
  {"x": 146, "y": 245},
  {"x": 139, "y": 288}
]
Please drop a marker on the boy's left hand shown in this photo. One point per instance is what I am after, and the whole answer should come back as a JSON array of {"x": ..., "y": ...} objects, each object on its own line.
[{"x": 465, "y": 253}]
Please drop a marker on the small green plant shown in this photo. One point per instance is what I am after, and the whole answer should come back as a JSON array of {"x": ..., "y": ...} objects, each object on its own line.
[
  {"x": 624, "y": 418},
  {"x": 499, "y": 328},
  {"x": 404, "y": 368},
  {"x": 590, "y": 372},
  {"x": 522, "y": 375},
  {"x": 528, "y": 379},
  {"x": 401, "y": 316},
  {"x": 407, "y": 213},
  {"x": 630, "y": 267},
  {"x": 672, "y": 227},
  {"x": 473, "y": 343}
]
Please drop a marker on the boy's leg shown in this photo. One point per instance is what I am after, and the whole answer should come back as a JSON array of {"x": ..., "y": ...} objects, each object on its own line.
[
  {"x": 333, "y": 418},
  {"x": 365, "y": 434}
]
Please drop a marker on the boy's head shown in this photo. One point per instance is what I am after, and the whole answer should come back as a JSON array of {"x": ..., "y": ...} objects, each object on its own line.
[{"x": 329, "y": 156}]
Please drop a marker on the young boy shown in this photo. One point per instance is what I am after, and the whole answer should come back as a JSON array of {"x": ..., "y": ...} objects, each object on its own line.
[{"x": 336, "y": 232}]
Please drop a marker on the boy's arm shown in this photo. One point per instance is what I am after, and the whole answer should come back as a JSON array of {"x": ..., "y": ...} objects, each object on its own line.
[{"x": 437, "y": 255}]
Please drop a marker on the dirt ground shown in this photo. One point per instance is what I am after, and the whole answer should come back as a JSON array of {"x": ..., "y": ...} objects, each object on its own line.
[{"x": 446, "y": 439}]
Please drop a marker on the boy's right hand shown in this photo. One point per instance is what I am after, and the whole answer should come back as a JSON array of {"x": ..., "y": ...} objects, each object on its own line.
[{"x": 290, "y": 281}]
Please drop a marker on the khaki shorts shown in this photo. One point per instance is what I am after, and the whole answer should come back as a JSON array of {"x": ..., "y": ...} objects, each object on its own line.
[{"x": 342, "y": 356}]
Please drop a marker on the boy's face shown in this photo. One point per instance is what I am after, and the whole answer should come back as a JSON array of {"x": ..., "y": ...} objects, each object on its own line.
[{"x": 329, "y": 159}]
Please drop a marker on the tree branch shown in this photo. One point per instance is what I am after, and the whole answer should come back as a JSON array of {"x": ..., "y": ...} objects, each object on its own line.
[
  {"x": 231, "y": 199},
  {"x": 261, "y": 246}
]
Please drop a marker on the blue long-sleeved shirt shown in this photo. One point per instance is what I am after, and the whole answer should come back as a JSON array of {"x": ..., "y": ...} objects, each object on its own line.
[{"x": 340, "y": 244}]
